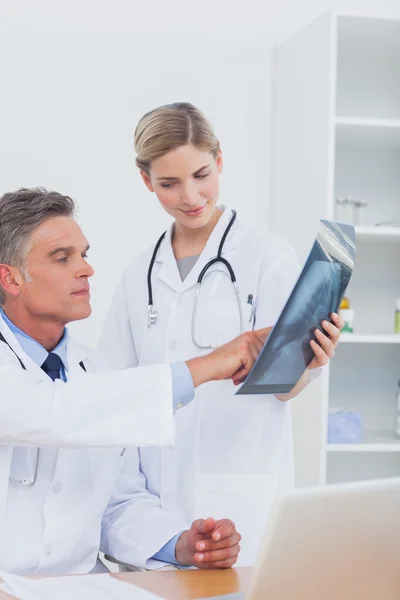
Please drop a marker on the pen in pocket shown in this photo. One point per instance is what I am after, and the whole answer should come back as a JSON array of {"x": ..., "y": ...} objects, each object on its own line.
[{"x": 250, "y": 300}]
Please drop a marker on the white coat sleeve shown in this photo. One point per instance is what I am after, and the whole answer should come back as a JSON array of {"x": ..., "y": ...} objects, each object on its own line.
[
  {"x": 116, "y": 341},
  {"x": 134, "y": 525},
  {"x": 122, "y": 408}
]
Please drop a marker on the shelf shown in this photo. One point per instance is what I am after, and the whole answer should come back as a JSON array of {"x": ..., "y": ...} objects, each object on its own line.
[
  {"x": 362, "y": 123},
  {"x": 379, "y": 442},
  {"x": 351, "y": 338},
  {"x": 378, "y": 234},
  {"x": 366, "y": 37},
  {"x": 381, "y": 133}
]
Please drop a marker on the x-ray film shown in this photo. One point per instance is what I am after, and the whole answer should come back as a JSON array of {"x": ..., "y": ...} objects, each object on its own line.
[{"x": 317, "y": 293}]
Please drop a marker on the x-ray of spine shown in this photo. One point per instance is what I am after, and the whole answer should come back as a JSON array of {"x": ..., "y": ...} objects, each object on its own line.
[{"x": 317, "y": 293}]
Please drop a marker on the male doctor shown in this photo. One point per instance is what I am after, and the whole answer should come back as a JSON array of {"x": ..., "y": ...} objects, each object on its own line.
[{"x": 70, "y": 480}]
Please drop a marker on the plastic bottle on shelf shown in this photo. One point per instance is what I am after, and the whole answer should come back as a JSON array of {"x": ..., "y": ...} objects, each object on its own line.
[
  {"x": 347, "y": 315},
  {"x": 344, "y": 210},
  {"x": 359, "y": 207},
  {"x": 397, "y": 424},
  {"x": 397, "y": 317}
]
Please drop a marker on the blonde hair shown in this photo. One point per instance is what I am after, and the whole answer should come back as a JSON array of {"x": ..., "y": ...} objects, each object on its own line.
[{"x": 170, "y": 126}]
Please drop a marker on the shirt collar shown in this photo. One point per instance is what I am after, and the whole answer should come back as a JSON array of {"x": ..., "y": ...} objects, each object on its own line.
[{"x": 33, "y": 349}]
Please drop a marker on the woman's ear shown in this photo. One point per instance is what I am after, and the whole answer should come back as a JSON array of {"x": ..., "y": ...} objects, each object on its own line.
[
  {"x": 147, "y": 180},
  {"x": 220, "y": 161}
]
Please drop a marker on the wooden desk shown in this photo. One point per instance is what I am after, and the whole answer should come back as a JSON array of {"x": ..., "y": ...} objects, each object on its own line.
[{"x": 185, "y": 585}]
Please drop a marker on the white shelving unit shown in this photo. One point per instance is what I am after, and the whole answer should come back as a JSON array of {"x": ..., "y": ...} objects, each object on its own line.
[{"x": 337, "y": 133}]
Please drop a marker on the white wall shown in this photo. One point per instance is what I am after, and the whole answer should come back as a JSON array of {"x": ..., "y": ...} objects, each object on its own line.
[{"x": 76, "y": 77}]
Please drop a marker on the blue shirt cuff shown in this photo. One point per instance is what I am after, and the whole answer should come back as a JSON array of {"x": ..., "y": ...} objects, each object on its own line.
[
  {"x": 182, "y": 385},
  {"x": 167, "y": 552}
]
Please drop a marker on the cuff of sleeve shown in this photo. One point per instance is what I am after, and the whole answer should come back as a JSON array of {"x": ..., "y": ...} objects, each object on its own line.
[
  {"x": 315, "y": 373},
  {"x": 167, "y": 552},
  {"x": 182, "y": 385}
]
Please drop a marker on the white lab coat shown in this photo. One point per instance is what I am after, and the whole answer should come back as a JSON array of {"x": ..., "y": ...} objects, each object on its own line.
[
  {"x": 96, "y": 497},
  {"x": 232, "y": 455}
]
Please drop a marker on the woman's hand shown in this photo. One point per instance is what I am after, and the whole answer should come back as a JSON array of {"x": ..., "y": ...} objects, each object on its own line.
[
  {"x": 327, "y": 342},
  {"x": 323, "y": 353}
]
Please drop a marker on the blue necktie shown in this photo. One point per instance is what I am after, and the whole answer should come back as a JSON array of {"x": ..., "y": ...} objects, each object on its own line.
[{"x": 52, "y": 366}]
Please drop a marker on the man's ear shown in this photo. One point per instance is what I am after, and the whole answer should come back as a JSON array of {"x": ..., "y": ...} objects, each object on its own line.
[{"x": 10, "y": 280}]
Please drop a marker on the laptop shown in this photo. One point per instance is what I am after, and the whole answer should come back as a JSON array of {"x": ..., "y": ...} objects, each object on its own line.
[{"x": 336, "y": 542}]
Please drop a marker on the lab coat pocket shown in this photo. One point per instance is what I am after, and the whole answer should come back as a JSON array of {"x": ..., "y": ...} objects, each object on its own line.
[
  {"x": 218, "y": 322},
  {"x": 105, "y": 466},
  {"x": 245, "y": 498}
]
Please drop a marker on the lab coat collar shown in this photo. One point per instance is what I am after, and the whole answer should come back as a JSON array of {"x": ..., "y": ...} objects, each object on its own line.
[
  {"x": 19, "y": 351},
  {"x": 169, "y": 272},
  {"x": 75, "y": 352},
  {"x": 32, "y": 347}
]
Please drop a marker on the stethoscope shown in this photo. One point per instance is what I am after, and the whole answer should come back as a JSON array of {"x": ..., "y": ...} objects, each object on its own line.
[
  {"x": 152, "y": 313},
  {"x": 28, "y": 480}
]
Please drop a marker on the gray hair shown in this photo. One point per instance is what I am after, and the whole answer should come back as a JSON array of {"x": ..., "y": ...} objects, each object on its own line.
[{"x": 21, "y": 213}]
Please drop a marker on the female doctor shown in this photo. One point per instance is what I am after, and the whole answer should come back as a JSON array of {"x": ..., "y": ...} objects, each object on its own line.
[{"x": 232, "y": 455}]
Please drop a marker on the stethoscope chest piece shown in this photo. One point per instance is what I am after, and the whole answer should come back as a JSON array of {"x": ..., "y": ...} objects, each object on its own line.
[{"x": 152, "y": 315}]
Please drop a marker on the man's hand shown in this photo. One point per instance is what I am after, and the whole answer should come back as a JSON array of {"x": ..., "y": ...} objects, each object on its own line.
[
  {"x": 231, "y": 361},
  {"x": 209, "y": 544}
]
